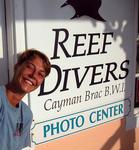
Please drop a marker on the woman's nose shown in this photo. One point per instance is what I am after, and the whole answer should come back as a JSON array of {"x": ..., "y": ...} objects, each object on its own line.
[{"x": 33, "y": 73}]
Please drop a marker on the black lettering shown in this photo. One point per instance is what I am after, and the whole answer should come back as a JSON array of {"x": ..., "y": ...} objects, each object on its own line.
[
  {"x": 111, "y": 67},
  {"x": 91, "y": 43},
  {"x": 42, "y": 87},
  {"x": 124, "y": 68},
  {"x": 105, "y": 42},
  {"x": 77, "y": 44},
  {"x": 95, "y": 73},
  {"x": 78, "y": 81},
  {"x": 60, "y": 43},
  {"x": 65, "y": 80}
]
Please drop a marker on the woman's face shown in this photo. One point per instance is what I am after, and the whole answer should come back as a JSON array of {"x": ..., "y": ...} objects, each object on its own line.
[{"x": 29, "y": 75}]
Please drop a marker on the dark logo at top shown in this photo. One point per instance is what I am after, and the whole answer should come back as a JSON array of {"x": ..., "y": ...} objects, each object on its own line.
[{"x": 85, "y": 7}]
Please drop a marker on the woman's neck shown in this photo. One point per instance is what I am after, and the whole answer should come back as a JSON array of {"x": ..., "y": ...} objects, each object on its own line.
[{"x": 13, "y": 96}]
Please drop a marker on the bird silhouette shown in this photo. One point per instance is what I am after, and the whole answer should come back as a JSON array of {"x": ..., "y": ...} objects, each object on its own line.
[{"x": 85, "y": 7}]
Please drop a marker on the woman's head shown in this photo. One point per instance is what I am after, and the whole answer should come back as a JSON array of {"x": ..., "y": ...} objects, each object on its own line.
[{"x": 32, "y": 53}]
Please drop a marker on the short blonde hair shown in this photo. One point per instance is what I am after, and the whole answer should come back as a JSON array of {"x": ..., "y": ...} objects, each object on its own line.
[{"x": 31, "y": 53}]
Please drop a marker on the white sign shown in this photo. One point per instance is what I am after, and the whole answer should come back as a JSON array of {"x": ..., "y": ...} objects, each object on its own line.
[{"x": 92, "y": 58}]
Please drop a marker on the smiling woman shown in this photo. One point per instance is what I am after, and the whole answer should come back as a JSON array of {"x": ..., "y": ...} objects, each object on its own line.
[
  {"x": 31, "y": 69},
  {"x": 30, "y": 74}
]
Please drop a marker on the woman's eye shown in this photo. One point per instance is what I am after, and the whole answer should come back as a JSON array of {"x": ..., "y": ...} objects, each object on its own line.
[{"x": 42, "y": 75}]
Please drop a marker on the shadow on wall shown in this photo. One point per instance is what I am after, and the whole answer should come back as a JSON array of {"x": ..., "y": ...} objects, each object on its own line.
[
  {"x": 126, "y": 138},
  {"x": 123, "y": 135}
]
